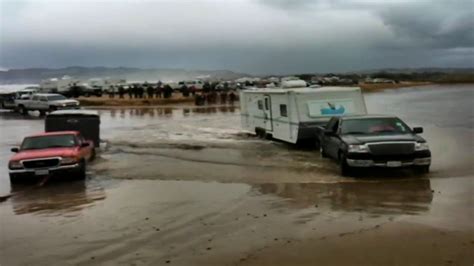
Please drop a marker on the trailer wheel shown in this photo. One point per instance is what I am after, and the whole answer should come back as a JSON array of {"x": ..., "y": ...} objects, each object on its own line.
[{"x": 260, "y": 133}]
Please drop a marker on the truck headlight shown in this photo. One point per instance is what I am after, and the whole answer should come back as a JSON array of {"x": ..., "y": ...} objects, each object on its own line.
[
  {"x": 15, "y": 165},
  {"x": 68, "y": 160},
  {"x": 358, "y": 148},
  {"x": 421, "y": 146}
]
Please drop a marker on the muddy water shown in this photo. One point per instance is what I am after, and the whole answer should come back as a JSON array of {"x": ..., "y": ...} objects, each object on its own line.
[{"x": 185, "y": 186}]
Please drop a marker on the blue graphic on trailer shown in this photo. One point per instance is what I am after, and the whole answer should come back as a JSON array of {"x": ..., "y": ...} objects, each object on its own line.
[{"x": 332, "y": 110}]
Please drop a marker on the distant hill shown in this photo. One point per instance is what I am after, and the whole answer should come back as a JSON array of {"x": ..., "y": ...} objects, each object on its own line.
[
  {"x": 35, "y": 75},
  {"x": 417, "y": 70}
]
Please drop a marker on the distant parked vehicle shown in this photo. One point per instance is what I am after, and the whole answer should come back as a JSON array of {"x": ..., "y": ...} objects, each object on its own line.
[
  {"x": 11, "y": 100},
  {"x": 374, "y": 141},
  {"x": 46, "y": 102},
  {"x": 62, "y": 154}
]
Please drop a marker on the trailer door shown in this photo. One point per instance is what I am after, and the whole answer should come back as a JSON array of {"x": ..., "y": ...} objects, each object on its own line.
[{"x": 267, "y": 112}]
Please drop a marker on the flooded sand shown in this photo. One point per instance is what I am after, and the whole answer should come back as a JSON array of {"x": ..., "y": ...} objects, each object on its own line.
[{"x": 185, "y": 186}]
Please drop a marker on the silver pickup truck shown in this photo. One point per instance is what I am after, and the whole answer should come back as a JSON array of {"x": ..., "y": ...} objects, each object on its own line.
[{"x": 46, "y": 102}]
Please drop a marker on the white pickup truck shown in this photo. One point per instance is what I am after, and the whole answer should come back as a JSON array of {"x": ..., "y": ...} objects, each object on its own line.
[
  {"x": 46, "y": 102},
  {"x": 18, "y": 97}
]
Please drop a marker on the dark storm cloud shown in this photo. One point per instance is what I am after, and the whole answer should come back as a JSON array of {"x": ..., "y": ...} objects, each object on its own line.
[
  {"x": 445, "y": 24},
  {"x": 260, "y": 36}
]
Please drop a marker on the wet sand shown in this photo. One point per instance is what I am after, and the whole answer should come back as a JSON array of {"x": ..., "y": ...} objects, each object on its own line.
[{"x": 185, "y": 186}]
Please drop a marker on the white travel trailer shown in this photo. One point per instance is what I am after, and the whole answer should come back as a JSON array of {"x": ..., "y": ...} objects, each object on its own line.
[
  {"x": 55, "y": 85},
  {"x": 105, "y": 83},
  {"x": 295, "y": 115}
]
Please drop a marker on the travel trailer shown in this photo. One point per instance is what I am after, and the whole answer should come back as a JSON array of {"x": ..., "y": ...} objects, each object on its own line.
[
  {"x": 293, "y": 115},
  {"x": 55, "y": 85}
]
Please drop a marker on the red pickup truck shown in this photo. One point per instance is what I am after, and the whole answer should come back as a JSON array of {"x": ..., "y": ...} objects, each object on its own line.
[{"x": 63, "y": 154}]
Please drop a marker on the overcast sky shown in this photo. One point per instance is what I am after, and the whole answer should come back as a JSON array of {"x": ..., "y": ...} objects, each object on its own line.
[{"x": 253, "y": 36}]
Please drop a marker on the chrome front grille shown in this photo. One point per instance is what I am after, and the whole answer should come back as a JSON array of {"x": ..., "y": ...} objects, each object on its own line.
[{"x": 392, "y": 148}]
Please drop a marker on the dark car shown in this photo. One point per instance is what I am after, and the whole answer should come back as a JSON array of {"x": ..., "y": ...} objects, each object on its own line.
[{"x": 374, "y": 141}]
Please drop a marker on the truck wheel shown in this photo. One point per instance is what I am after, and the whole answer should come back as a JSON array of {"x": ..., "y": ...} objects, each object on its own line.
[
  {"x": 81, "y": 172},
  {"x": 424, "y": 169},
  {"x": 317, "y": 144},
  {"x": 23, "y": 110},
  {"x": 93, "y": 154},
  {"x": 346, "y": 170},
  {"x": 14, "y": 179},
  {"x": 323, "y": 153}
]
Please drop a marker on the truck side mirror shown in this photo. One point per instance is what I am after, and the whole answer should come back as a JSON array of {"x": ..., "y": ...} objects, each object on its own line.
[
  {"x": 15, "y": 150},
  {"x": 417, "y": 130}
]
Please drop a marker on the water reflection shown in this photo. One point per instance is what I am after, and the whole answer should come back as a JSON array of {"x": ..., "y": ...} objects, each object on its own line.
[
  {"x": 55, "y": 199},
  {"x": 411, "y": 196},
  {"x": 167, "y": 111}
]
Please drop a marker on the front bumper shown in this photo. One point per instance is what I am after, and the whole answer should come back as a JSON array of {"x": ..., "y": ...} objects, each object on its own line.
[
  {"x": 420, "y": 158},
  {"x": 61, "y": 169}
]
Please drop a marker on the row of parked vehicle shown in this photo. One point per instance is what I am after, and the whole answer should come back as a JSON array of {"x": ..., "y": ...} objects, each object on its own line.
[
  {"x": 31, "y": 100},
  {"x": 336, "y": 120}
]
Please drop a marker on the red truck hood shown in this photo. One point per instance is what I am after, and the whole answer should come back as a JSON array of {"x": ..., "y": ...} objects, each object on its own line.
[{"x": 51, "y": 152}]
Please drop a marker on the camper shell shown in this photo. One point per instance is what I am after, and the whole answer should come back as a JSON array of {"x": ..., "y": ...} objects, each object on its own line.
[
  {"x": 87, "y": 122},
  {"x": 294, "y": 115}
]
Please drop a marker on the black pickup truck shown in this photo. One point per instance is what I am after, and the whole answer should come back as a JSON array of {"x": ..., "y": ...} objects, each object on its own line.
[{"x": 373, "y": 141}]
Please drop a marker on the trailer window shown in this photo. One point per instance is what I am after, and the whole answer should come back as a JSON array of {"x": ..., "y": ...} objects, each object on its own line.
[
  {"x": 260, "y": 105},
  {"x": 283, "y": 111}
]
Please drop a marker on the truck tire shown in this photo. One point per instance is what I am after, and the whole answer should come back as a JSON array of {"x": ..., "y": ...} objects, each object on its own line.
[
  {"x": 92, "y": 155},
  {"x": 81, "y": 172},
  {"x": 424, "y": 169},
  {"x": 14, "y": 179},
  {"x": 323, "y": 153},
  {"x": 53, "y": 108},
  {"x": 345, "y": 169},
  {"x": 23, "y": 110}
]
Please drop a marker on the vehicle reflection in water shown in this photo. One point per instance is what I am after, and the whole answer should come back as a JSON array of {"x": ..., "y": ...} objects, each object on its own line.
[
  {"x": 167, "y": 111},
  {"x": 56, "y": 198},
  {"x": 406, "y": 196}
]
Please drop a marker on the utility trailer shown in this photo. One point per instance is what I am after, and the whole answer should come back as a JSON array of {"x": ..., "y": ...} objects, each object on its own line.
[
  {"x": 87, "y": 122},
  {"x": 295, "y": 115}
]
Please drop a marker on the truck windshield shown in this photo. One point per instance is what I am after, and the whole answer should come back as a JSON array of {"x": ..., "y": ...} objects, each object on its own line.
[
  {"x": 389, "y": 125},
  {"x": 44, "y": 142},
  {"x": 56, "y": 98}
]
